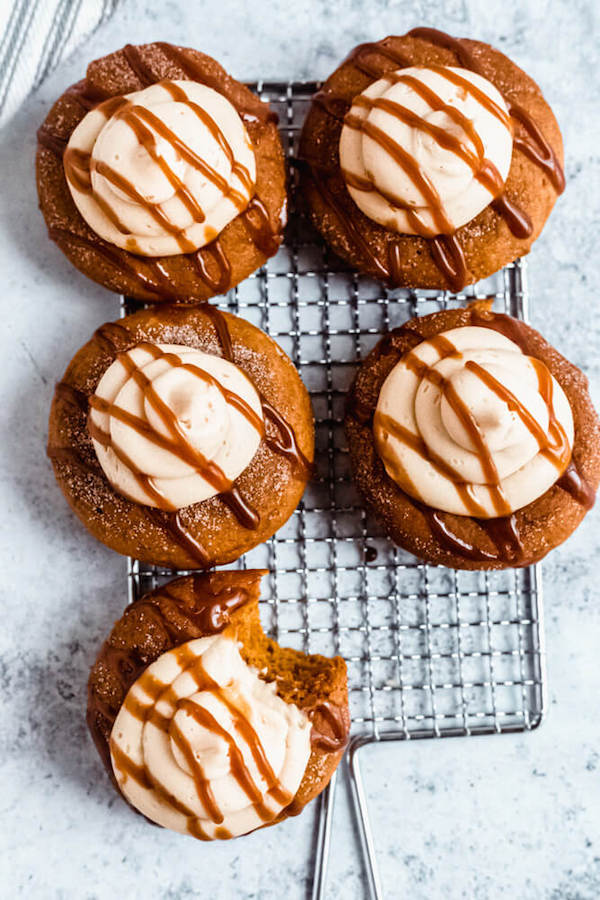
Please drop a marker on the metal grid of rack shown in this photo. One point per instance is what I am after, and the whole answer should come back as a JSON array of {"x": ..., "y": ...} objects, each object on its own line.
[{"x": 431, "y": 652}]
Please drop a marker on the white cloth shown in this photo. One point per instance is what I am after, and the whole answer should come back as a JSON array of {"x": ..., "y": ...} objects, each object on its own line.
[{"x": 36, "y": 36}]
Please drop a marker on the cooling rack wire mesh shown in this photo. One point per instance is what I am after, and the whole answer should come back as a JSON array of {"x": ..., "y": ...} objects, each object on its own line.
[{"x": 431, "y": 652}]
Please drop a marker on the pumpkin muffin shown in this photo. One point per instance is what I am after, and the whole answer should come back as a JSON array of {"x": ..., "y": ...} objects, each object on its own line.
[
  {"x": 181, "y": 436},
  {"x": 429, "y": 161},
  {"x": 205, "y": 724},
  {"x": 160, "y": 176},
  {"x": 473, "y": 440}
]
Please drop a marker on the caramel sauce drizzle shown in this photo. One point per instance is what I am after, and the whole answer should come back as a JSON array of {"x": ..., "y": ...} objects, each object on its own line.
[
  {"x": 180, "y": 96},
  {"x": 207, "y": 259},
  {"x": 572, "y": 480},
  {"x": 286, "y": 443},
  {"x": 531, "y": 141},
  {"x": 145, "y": 711},
  {"x": 358, "y": 57},
  {"x": 445, "y": 247},
  {"x": 177, "y": 442},
  {"x": 122, "y": 262},
  {"x": 574, "y": 483},
  {"x": 483, "y": 169},
  {"x": 53, "y": 142},
  {"x": 329, "y": 727}
]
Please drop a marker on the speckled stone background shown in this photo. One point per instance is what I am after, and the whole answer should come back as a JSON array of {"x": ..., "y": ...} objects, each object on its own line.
[{"x": 514, "y": 817}]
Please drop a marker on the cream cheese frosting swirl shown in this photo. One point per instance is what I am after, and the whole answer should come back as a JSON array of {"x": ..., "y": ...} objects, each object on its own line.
[
  {"x": 161, "y": 171},
  {"x": 424, "y": 150},
  {"x": 172, "y": 425},
  {"x": 203, "y": 746},
  {"x": 467, "y": 423}
]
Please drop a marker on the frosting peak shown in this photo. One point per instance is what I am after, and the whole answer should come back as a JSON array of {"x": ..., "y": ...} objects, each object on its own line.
[
  {"x": 203, "y": 746},
  {"x": 424, "y": 149},
  {"x": 466, "y": 423},
  {"x": 172, "y": 425},
  {"x": 163, "y": 170}
]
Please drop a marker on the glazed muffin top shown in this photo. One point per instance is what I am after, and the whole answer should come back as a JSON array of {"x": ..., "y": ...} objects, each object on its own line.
[
  {"x": 162, "y": 177},
  {"x": 430, "y": 161}
]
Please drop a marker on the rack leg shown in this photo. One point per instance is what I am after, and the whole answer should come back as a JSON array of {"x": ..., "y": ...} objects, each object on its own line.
[
  {"x": 362, "y": 815},
  {"x": 327, "y": 802}
]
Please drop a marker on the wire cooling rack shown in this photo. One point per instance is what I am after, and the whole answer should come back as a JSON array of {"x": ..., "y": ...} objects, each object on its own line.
[{"x": 431, "y": 652}]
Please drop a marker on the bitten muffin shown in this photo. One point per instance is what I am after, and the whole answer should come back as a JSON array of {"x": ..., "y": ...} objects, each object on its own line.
[
  {"x": 181, "y": 436},
  {"x": 160, "y": 176},
  {"x": 204, "y": 724},
  {"x": 473, "y": 440},
  {"x": 430, "y": 161}
]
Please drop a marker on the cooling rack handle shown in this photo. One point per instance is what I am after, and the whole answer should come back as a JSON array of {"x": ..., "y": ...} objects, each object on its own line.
[
  {"x": 359, "y": 798},
  {"x": 326, "y": 806}
]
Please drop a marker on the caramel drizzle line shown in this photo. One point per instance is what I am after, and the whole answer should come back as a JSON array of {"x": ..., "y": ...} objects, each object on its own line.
[
  {"x": 482, "y": 98},
  {"x": 177, "y": 443},
  {"x": 180, "y": 96},
  {"x": 256, "y": 110},
  {"x": 146, "y": 712},
  {"x": 85, "y": 96},
  {"x": 483, "y": 452},
  {"x": 287, "y": 444},
  {"x": 553, "y": 445},
  {"x": 356, "y": 57},
  {"x": 177, "y": 531},
  {"x": 116, "y": 258},
  {"x": 262, "y": 233},
  {"x": 139, "y": 68},
  {"x": 219, "y": 284},
  {"x": 53, "y": 142},
  {"x": 571, "y": 481},
  {"x": 449, "y": 256},
  {"x": 435, "y": 102},
  {"x": 533, "y": 143}
]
